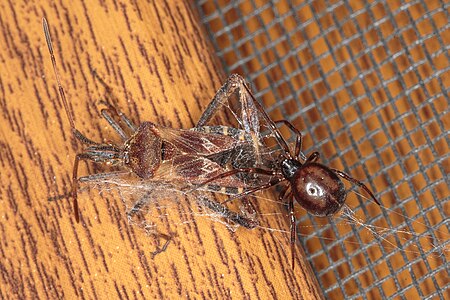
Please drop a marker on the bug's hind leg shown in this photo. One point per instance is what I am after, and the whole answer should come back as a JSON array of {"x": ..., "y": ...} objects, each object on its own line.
[
  {"x": 229, "y": 215},
  {"x": 159, "y": 249},
  {"x": 233, "y": 83},
  {"x": 137, "y": 212}
]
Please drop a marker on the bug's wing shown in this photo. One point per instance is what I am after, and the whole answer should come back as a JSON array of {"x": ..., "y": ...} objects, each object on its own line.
[
  {"x": 212, "y": 150},
  {"x": 200, "y": 143},
  {"x": 191, "y": 170}
]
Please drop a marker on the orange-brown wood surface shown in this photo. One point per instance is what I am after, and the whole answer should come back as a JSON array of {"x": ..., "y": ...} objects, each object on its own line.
[{"x": 155, "y": 57}]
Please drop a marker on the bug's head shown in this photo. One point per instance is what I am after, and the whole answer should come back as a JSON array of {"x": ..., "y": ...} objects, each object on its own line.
[
  {"x": 142, "y": 153},
  {"x": 318, "y": 189}
]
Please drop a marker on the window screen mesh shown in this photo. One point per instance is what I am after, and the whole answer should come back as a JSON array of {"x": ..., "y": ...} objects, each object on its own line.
[{"x": 367, "y": 83}]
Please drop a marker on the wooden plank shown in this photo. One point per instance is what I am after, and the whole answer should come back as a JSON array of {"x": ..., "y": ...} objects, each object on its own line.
[{"x": 161, "y": 68}]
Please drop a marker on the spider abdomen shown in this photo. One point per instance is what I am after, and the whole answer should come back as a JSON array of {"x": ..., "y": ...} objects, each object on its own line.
[{"x": 318, "y": 189}]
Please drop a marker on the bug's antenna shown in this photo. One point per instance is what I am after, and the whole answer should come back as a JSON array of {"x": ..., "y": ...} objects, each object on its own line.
[
  {"x": 69, "y": 114},
  {"x": 58, "y": 79}
]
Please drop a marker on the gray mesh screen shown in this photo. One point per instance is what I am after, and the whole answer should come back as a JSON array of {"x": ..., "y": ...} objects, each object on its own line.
[{"x": 367, "y": 83}]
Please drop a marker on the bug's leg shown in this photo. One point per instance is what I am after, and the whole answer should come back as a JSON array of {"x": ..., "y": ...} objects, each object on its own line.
[
  {"x": 137, "y": 206},
  {"x": 232, "y": 216},
  {"x": 357, "y": 182},
  {"x": 136, "y": 212},
  {"x": 248, "y": 119},
  {"x": 115, "y": 125},
  {"x": 101, "y": 176},
  {"x": 233, "y": 83},
  {"x": 249, "y": 107},
  {"x": 248, "y": 209},
  {"x": 66, "y": 195},
  {"x": 112, "y": 108},
  {"x": 88, "y": 178},
  {"x": 79, "y": 136},
  {"x": 107, "y": 87},
  {"x": 78, "y": 157},
  {"x": 228, "y": 214},
  {"x": 99, "y": 153},
  {"x": 158, "y": 250},
  {"x": 243, "y": 221},
  {"x": 271, "y": 125}
]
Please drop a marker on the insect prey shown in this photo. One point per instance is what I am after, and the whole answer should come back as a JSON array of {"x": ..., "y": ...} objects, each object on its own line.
[{"x": 163, "y": 156}]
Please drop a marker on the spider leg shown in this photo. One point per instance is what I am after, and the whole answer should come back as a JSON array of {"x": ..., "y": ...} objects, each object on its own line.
[
  {"x": 357, "y": 182},
  {"x": 255, "y": 189},
  {"x": 293, "y": 228},
  {"x": 283, "y": 194},
  {"x": 298, "y": 138},
  {"x": 313, "y": 157},
  {"x": 287, "y": 193},
  {"x": 237, "y": 171}
]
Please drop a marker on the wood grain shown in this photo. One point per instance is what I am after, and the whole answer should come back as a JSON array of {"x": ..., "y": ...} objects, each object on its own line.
[{"x": 155, "y": 57}]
